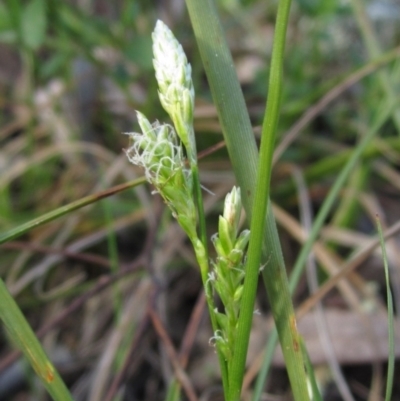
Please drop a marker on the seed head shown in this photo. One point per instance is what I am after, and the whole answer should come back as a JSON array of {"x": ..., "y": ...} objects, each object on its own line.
[{"x": 174, "y": 77}]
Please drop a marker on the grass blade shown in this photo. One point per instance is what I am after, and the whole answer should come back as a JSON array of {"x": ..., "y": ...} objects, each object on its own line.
[
  {"x": 391, "y": 359},
  {"x": 316, "y": 396},
  {"x": 63, "y": 210},
  {"x": 24, "y": 338}
]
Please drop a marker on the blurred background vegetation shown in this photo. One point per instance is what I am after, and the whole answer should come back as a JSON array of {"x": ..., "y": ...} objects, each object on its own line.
[{"x": 72, "y": 74}]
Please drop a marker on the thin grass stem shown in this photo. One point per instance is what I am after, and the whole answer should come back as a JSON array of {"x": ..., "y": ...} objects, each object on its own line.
[
  {"x": 63, "y": 210},
  {"x": 391, "y": 341},
  {"x": 284, "y": 313}
]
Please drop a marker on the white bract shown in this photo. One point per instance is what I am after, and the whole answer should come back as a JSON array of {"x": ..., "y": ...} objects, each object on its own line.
[{"x": 158, "y": 151}]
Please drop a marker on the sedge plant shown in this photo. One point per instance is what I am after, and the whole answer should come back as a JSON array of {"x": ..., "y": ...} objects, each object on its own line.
[{"x": 167, "y": 153}]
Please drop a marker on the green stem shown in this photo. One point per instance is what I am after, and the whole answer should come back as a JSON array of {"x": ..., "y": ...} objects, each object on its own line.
[
  {"x": 202, "y": 255},
  {"x": 283, "y": 314},
  {"x": 63, "y": 210},
  {"x": 391, "y": 332},
  {"x": 202, "y": 260},
  {"x": 200, "y": 207}
]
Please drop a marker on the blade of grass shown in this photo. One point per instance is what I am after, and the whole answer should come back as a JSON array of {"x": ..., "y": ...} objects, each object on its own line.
[
  {"x": 316, "y": 395},
  {"x": 63, "y": 210},
  {"x": 284, "y": 313},
  {"x": 25, "y": 339},
  {"x": 391, "y": 359},
  {"x": 227, "y": 95},
  {"x": 243, "y": 153}
]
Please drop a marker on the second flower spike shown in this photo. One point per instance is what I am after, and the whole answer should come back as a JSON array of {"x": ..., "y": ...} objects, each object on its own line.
[{"x": 228, "y": 275}]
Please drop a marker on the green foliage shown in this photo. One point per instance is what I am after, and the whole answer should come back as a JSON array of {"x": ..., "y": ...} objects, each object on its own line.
[
  {"x": 139, "y": 51},
  {"x": 391, "y": 331},
  {"x": 318, "y": 7},
  {"x": 59, "y": 151},
  {"x": 5, "y": 21},
  {"x": 34, "y": 24},
  {"x": 23, "y": 336},
  {"x": 25, "y": 23}
]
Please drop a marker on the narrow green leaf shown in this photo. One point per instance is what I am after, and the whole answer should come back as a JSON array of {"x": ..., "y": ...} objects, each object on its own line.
[
  {"x": 391, "y": 359},
  {"x": 34, "y": 24},
  {"x": 275, "y": 281},
  {"x": 23, "y": 336},
  {"x": 63, "y": 210},
  {"x": 5, "y": 18},
  {"x": 316, "y": 395},
  {"x": 14, "y": 9}
]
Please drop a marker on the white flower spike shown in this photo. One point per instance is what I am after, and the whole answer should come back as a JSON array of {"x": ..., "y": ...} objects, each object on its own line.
[{"x": 174, "y": 77}]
